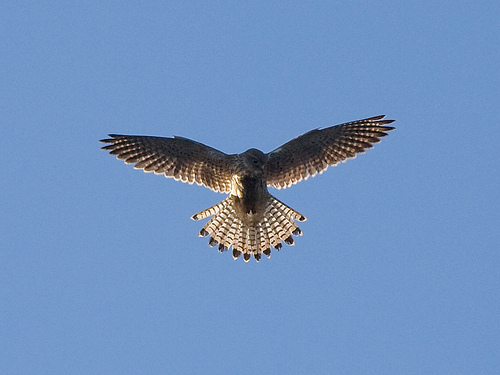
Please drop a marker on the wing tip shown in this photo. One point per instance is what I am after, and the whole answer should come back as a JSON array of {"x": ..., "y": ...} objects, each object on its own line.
[
  {"x": 111, "y": 141},
  {"x": 379, "y": 119}
]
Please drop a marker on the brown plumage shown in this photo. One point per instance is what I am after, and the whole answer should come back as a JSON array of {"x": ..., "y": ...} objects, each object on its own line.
[{"x": 250, "y": 219}]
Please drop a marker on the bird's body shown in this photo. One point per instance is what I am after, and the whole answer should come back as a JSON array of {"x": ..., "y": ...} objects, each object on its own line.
[{"x": 250, "y": 219}]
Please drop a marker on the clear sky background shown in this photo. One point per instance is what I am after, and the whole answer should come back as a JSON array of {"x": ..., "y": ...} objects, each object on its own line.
[{"x": 101, "y": 269}]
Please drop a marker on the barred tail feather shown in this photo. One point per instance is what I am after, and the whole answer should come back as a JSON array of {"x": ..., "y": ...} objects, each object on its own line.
[{"x": 254, "y": 234}]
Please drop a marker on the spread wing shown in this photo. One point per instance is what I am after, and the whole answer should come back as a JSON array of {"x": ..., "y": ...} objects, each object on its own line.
[
  {"x": 180, "y": 158},
  {"x": 315, "y": 151}
]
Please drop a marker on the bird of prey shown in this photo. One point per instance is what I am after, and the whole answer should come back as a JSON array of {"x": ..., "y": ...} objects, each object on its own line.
[{"x": 250, "y": 219}]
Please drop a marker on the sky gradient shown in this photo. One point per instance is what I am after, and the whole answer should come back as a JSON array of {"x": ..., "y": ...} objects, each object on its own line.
[{"x": 101, "y": 269}]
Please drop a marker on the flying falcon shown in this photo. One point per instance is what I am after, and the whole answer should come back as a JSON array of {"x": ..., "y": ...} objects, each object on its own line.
[{"x": 250, "y": 219}]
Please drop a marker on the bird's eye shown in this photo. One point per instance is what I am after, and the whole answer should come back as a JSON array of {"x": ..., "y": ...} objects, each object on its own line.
[{"x": 255, "y": 162}]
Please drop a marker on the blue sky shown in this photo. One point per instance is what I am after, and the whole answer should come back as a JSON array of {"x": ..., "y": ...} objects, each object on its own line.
[{"x": 101, "y": 269}]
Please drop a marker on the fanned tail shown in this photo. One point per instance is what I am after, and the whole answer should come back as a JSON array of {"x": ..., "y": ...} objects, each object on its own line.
[{"x": 255, "y": 233}]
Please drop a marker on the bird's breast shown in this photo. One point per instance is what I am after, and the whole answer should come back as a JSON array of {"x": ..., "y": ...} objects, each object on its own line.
[{"x": 251, "y": 192}]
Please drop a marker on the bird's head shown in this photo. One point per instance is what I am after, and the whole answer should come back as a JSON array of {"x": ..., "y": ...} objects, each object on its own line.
[{"x": 254, "y": 160}]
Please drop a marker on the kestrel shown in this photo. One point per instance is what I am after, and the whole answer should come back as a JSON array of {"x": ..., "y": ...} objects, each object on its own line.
[{"x": 250, "y": 219}]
